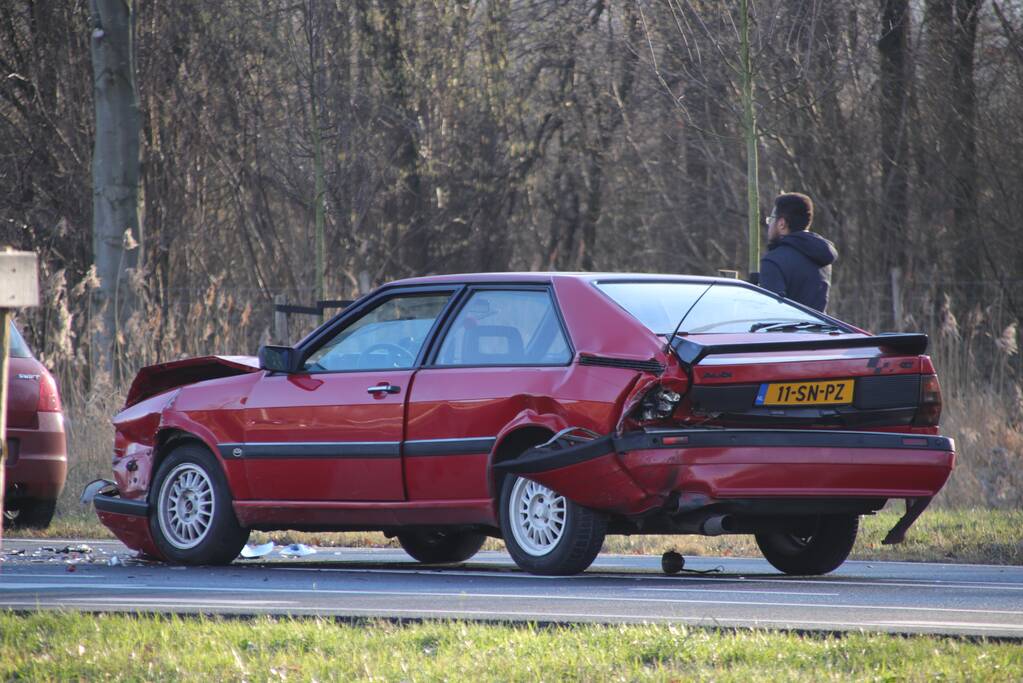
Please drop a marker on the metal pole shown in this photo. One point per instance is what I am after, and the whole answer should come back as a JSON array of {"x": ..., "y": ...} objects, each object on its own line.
[
  {"x": 749, "y": 120},
  {"x": 5, "y": 344}
]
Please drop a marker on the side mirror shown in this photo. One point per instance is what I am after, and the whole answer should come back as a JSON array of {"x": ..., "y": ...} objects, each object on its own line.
[{"x": 277, "y": 359}]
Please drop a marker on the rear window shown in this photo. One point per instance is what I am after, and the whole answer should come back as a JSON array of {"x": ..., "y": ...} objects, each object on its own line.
[
  {"x": 19, "y": 349},
  {"x": 706, "y": 308}
]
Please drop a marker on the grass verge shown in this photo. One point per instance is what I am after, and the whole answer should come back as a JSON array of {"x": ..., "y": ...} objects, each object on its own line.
[
  {"x": 64, "y": 646},
  {"x": 940, "y": 535}
]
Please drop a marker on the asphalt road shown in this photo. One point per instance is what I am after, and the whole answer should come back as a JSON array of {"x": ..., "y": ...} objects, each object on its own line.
[{"x": 901, "y": 597}]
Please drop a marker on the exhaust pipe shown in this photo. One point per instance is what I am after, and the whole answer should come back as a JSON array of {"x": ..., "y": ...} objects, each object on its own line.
[{"x": 716, "y": 526}]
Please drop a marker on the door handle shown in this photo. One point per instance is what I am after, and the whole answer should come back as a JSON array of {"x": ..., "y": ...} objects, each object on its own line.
[{"x": 385, "y": 388}]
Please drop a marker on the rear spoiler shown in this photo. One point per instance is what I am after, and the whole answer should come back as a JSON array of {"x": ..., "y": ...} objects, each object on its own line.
[{"x": 691, "y": 353}]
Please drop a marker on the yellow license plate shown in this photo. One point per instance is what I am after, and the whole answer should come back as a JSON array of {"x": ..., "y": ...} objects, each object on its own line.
[{"x": 831, "y": 392}]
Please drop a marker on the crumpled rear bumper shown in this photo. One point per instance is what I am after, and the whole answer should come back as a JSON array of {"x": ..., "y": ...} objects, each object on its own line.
[{"x": 636, "y": 472}]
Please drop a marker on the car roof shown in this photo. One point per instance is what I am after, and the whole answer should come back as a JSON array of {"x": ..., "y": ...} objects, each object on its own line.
[{"x": 548, "y": 277}]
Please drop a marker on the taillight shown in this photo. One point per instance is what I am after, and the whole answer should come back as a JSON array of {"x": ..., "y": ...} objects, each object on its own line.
[
  {"x": 928, "y": 412},
  {"x": 49, "y": 398}
]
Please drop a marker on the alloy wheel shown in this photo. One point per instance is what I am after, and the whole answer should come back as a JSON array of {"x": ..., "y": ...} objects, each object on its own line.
[
  {"x": 537, "y": 515},
  {"x": 185, "y": 506}
]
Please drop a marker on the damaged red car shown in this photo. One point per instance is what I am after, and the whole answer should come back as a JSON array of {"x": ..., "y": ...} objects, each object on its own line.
[{"x": 545, "y": 409}]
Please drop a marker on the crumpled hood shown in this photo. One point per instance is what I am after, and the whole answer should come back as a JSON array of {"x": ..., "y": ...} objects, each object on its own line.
[
  {"x": 156, "y": 379},
  {"x": 810, "y": 244}
]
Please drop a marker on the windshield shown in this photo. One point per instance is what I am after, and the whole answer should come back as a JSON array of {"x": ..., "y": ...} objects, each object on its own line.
[{"x": 707, "y": 308}]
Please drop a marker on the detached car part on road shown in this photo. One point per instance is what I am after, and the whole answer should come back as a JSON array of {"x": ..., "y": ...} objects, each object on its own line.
[
  {"x": 36, "y": 443},
  {"x": 547, "y": 409}
]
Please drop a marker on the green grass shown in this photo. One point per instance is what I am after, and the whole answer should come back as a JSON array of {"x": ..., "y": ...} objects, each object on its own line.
[
  {"x": 62, "y": 646},
  {"x": 940, "y": 535}
]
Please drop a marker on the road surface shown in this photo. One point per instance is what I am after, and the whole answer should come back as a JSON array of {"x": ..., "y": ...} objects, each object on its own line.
[{"x": 900, "y": 597}]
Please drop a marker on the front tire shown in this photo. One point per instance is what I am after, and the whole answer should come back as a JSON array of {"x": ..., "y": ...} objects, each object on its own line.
[
  {"x": 822, "y": 550},
  {"x": 546, "y": 533},
  {"x": 441, "y": 547},
  {"x": 191, "y": 518}
]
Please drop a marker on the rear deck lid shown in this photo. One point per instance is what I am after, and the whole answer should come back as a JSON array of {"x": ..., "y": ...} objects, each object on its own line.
[{"x": 852, "y": 380}]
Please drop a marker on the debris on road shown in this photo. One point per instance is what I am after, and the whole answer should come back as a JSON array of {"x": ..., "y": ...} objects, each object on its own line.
[
  {"x": 251, "y": 551},
  {"x": 297, "y": 550}
]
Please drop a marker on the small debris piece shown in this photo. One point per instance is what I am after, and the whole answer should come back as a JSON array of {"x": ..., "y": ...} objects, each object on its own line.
[
  {"x": 297, "y": 550},
  {"x": 250, "y": 551},
  {"x": 114, "y": 561},
  {"x": 80, "y": 548},
  {"x": 72, "y": 568},
  {"x": 672, "y": 562}
]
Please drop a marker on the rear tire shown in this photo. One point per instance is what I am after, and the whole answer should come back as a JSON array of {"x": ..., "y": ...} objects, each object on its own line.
[
  {"x": 546, "y": 533},
  {"x": 29, "y": 513},
  {"x": 191, "y": 518},
  {"x": 819, "y": 552},
  {"x": 441, "y": 547}
]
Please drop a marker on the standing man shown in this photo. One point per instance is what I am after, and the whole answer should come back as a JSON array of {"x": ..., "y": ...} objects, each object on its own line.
[{"x": 797, "y": 264}]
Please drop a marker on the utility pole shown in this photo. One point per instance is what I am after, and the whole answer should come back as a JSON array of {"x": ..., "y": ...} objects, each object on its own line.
[
  {"x": 749, "y": 129},
  {"x": 19, "y": 288}
]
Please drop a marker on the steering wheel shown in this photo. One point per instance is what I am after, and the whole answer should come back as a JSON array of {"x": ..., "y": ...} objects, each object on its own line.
[{"x": 399, "y": 357}]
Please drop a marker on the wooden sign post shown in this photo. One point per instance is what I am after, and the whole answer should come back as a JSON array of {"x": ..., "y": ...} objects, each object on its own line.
[{"x": 19, "y": 288}]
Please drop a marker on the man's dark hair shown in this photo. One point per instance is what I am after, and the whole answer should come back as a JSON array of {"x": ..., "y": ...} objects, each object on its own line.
[{"x": 796, "y": 208}]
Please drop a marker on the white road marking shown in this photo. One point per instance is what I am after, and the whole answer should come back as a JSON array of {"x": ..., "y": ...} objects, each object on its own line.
[
  {"x": 519, "y": 596},
  {"x": 172, "y": 603},
  {"x": 738, "y": 590},
  {"x": 834, "y": 582},
  {"x": 531, "y": 616}
]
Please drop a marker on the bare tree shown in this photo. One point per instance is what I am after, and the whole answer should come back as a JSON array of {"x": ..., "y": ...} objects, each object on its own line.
[{"x": 115, "y": 164}]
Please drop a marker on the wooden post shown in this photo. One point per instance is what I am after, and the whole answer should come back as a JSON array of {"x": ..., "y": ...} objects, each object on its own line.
[
  {"x": 19, "y": 287},
  {"x": 281, "y": 335},
  {"x": 897, "y": 298}
]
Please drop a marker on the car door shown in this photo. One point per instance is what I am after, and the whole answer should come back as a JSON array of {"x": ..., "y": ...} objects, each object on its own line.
[
  {"x": 333, "y": 430},
  {"x": 504, "y": 347}
]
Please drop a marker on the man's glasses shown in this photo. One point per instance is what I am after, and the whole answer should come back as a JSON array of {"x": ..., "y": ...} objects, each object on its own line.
[{"x": 767, "y": 221}]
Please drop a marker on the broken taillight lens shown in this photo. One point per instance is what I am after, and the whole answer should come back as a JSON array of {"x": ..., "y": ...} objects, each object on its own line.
[
  {"x": 928, "y": 412},
  {"x": 658, "y": 404}
]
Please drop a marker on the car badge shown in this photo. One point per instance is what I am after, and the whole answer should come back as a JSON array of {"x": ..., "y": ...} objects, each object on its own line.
[
  {"x": 237, "y": 452},
  {"x": 22, "y": 375}
]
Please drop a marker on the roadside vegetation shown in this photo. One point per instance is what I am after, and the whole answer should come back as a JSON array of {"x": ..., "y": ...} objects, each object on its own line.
[{"x": 61, "y": 646}]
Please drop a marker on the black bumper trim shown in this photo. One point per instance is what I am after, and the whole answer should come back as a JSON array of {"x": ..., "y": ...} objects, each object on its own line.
[
  {"x": 121, "y": 506},
  {"x": 552, "y": 457}
]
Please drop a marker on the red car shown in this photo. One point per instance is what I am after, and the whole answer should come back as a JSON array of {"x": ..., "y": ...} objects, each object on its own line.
[
  {"x": 36, "y": 443},
  {"x": 547, "y": 409}
]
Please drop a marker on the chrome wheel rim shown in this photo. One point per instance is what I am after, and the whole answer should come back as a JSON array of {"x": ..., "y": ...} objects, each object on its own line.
[
  {"x": 537, "y": 515},
  {"x": 185, "y": 506}
]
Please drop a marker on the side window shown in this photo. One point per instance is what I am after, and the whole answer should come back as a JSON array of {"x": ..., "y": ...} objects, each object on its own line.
[
  {"x": 506, "y": 328},
  {"x": 389, "y": 336}
]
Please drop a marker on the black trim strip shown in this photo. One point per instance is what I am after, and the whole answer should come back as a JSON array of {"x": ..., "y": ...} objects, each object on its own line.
[
  {"x": 315, "y": 449},
  {"x": 120, "y": 506},
  {"x": 691, "y": 353},
  {"x": 551, "y": 458},
  {"x": 430, "y": 447},
  {"x": 650, "y": 366}
]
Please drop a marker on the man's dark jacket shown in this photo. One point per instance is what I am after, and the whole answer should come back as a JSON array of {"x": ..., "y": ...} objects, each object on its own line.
[{"x": 798, "y": 266}]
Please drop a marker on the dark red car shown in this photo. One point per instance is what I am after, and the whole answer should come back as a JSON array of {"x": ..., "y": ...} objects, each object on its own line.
[
  {"x": 547, "y": 409},
  {"x": 37, "y": 447}
]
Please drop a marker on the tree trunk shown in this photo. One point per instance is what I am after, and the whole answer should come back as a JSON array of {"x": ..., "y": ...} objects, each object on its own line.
[
  {"x": 893, "y": 47},
  {"x": 115, "y": 166}
]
